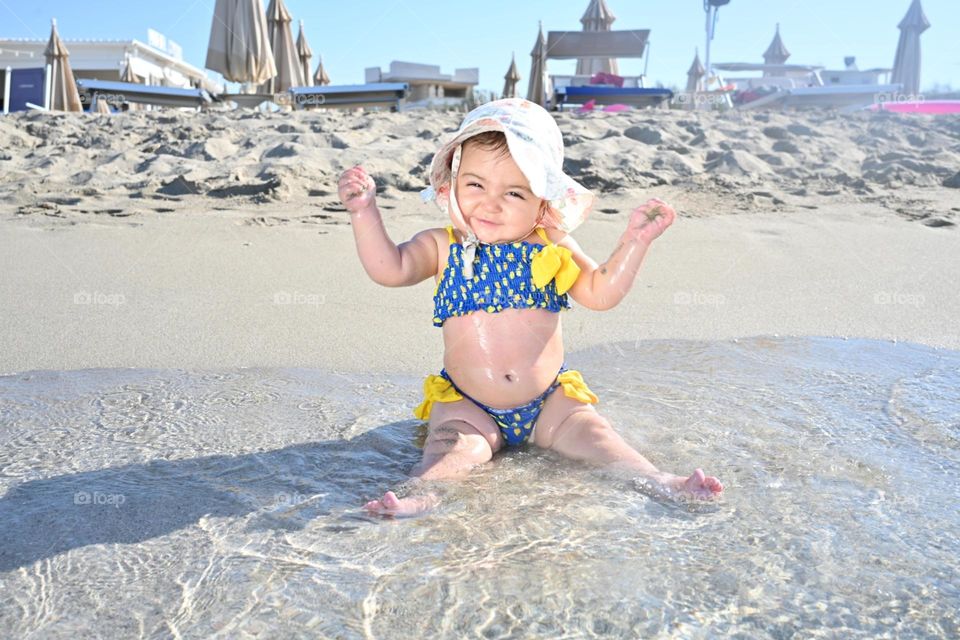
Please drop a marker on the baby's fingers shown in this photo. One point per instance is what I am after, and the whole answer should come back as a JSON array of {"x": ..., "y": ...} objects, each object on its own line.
[{"x": 357, "y": 172}]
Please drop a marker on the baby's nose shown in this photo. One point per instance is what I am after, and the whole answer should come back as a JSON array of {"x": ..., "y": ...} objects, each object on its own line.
[{"x": 491, "y": 203}]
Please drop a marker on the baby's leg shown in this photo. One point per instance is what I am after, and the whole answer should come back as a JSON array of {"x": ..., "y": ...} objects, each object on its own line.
[
  {"x": 577, "y": 431},
  {"x": 453, "y": 447}
]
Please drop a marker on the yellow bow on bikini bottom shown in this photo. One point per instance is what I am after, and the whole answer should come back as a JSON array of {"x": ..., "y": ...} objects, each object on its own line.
[
  {"x": 435, "y": 389},
  {"x": 439, "y": 389},
  {"x": 574, "y": 387},
  {"x": 554, "y": 262}
]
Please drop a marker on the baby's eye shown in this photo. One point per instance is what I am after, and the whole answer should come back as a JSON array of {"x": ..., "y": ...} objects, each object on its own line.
[
  {"x": 515, "y": 194},
  {"x": 474, "y": 184}
]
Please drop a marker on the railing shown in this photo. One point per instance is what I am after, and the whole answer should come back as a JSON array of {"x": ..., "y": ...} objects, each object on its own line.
[{"x": 635, "y": 82}]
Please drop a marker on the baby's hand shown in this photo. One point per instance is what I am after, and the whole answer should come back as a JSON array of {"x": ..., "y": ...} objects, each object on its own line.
[
  {"x": 651, "y": 219},
  {"x": 357, "y": 190}
]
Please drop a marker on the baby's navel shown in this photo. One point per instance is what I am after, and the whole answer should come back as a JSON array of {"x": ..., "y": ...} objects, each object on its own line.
[{"x": 509, "y": 377}]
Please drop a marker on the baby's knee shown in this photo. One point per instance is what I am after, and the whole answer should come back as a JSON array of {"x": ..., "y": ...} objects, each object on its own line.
[
  {"x": 584, "y": 426},
  {"x": 457, "y": 435}
]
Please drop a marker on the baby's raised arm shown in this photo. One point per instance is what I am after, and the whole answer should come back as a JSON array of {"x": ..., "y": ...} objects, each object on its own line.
[
  {"x": 386, "y": 263},
  {"x": 602, "y": 287}
]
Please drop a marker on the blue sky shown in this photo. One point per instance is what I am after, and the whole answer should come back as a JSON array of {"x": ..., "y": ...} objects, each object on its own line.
[{"x": 452, "y": 34}]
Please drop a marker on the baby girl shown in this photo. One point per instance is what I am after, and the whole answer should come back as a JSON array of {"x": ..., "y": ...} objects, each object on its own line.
[{"x": 504, "y": 269}]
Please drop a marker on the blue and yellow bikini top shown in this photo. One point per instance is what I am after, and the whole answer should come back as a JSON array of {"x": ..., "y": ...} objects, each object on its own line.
[{"x": 515, "y": 275}]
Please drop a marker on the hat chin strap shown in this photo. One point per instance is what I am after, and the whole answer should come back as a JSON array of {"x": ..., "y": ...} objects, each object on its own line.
[{"x": 471, "y": 242}]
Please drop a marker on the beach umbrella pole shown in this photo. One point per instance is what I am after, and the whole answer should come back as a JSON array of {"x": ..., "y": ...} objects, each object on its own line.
[
  {"x": 711, "y": 7},
  {"x": 47, "y": 86},
  {"x": 711, "y": 11},
  {"x": 6, "y": 90}
]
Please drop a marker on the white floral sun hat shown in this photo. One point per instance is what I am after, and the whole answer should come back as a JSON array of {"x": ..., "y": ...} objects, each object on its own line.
[{"x": 536, "y": 145}]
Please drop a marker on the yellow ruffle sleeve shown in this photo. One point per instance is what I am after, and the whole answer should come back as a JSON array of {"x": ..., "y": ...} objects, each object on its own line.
[
  {"x": 435, "y": 389},
  {"x": 574, "y": 387},
  {"x": 553, "y": 262}
]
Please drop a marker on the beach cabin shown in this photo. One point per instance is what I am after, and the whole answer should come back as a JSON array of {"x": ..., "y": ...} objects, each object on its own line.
[
  {"x": 850, "y": 74},
  {"x": 156, "y": 62},
  {"x": 426, "y": 85}
]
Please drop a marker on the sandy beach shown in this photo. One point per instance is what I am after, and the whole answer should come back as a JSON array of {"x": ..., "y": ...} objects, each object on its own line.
[
  {"x": 179, "y": 240},
  {"x": 204, "y": 387}
]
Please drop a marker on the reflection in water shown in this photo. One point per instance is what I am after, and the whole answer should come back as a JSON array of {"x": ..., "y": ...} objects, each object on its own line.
[{"x": 156, "y": 503}]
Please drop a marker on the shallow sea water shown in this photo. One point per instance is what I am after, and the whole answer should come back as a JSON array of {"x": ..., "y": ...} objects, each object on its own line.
[{"x": 146, "y": 503}]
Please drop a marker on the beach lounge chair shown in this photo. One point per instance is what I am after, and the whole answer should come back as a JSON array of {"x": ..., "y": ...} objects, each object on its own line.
[
  {"x": 633, "y": 96},
  {"x": 571, "y": 45},
  {"x": 120, "y": 92},
  {"x": 373, "y": 94}
]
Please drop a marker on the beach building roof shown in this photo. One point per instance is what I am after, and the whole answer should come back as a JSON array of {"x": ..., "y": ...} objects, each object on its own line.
[
  {"x": 906, "y": 64},
  {"x": 320, "y": 78},
  {"x": 239, "y": 46},
  {"x": 304, "y": 53},
  {"x": 289, "y": 68},
  {"x": 511, "y": 78},
  {"x": 63, "y": 94},
  {"x": 776, "y": 53},
  {"x": 538, "y": 88},
  {"x": 695, "y": 73},
  {"x": 597, "y": 17}
]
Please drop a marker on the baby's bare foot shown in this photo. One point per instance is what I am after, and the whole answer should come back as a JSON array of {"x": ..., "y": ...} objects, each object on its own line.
[
  {"x": 391, "y": 505},
  {"x": 698, "y": 485}
]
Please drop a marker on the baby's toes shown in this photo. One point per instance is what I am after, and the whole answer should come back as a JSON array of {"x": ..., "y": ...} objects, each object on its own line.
[
  {"x": 390, "y": 500},
  {"x": 714, "y": 485}
]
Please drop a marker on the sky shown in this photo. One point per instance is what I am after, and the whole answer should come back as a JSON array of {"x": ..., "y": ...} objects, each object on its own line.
[{"x": 454, "y": 34}]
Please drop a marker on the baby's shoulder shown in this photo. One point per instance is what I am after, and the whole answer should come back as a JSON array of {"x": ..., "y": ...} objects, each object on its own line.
[
  {"x": 440, "y": 235},
  {"x": 558, "y": 236}
]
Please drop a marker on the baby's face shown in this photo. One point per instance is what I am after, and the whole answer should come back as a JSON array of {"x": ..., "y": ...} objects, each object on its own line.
[{"x": 494, "y": 195}]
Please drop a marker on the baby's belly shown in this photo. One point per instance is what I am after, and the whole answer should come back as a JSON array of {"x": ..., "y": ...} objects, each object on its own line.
[{"x": 503, "y": 359}]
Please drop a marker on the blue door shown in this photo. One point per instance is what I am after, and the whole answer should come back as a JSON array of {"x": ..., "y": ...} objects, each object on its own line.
[{"x": 26, "y": 85}]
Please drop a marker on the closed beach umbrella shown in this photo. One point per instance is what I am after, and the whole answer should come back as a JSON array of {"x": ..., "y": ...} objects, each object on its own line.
[
  {"x": 539, "y": 86},
  {"x": 304, "y": 54},
  {"x": 906, "y": 65},
  {"x": 289, "y": 72},
  {"x": 99, "y": 105},
  {"x": 776, "y": 53},
  {"x": 597, "y": 17},
  {"x": 127, "y": 75},
  {"x": 320, "y": 78},
  {"x": 63, "y": 89},
  {"x": 239, "y": 48},
  {"x": 695, "y": 73},
  {"x": 511, "y": 79}
]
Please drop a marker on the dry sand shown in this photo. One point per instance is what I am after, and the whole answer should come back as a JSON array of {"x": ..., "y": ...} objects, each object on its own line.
[{"x": 189, "y": 240}]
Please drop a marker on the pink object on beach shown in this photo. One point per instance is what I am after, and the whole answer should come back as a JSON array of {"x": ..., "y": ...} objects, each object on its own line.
[
  {"x": 588, "y": 106},
  {"x": 602, "y": 77},
  {"x": 930, "y": 107}
]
